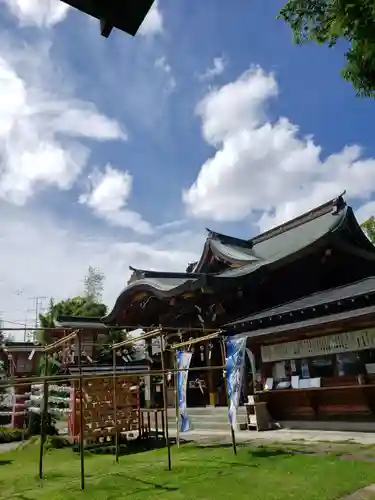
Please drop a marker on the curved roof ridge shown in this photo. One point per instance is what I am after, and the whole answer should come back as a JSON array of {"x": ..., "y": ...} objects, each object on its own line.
[
  {"x": 229, "y": 240},
  {"x": 149, "y": 273},
  {"x": 335, "y": 205}
]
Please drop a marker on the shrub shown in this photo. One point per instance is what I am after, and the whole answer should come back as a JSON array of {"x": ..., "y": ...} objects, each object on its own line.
[
  {"x": 8, "y": 435},
  {"x": 57, "y": 442},
  {"x": 33, "y": 427}
]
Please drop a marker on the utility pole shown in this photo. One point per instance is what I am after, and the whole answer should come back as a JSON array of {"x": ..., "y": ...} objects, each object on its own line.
[{"x": 38, "y": 307}]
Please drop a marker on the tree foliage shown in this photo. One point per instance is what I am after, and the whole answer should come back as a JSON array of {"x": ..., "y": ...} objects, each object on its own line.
[
  {"x": 94, "y": 284},
  {"x": 328, "y": 21},
  {"x": 76, "y": 306},
  {"x": 369, "y": 228}
]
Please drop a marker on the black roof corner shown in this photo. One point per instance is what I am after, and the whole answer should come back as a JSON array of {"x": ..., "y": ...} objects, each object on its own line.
[{"x": 125, "y": 15}]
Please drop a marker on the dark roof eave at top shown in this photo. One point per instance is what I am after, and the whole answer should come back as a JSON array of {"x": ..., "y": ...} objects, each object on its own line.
[{"x": 126, "y": 15}]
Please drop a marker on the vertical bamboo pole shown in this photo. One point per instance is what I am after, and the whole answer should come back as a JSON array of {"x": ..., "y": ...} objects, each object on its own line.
[
  {"x": 81, "y": 410},
  {"x": 165, "y": 401},
  {"x": 115, "y": 405},
  {"x": 176, "y": 398},
  {"x": 233, "y": 435},
  {"x": 43, "y": 417}
]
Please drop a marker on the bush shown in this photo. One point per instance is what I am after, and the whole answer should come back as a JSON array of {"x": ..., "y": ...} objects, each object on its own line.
[
  {"x": 8, "y": 435},
  {"x": 56, "y": 443},
  {"x": 33, "y": 426}
]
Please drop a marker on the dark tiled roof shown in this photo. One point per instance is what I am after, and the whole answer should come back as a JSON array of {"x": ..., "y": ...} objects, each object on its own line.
[
  {"x": 309, "y": 323},
  {"x": 327, "y": 297},
  {"x": 277, "y": 243}
]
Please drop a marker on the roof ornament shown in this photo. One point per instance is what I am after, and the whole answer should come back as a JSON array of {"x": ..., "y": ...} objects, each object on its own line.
[
  {"x": 339, "y": 203},
  {"x": 136, "y": 275},
  {"x": 211, "y": 234}
]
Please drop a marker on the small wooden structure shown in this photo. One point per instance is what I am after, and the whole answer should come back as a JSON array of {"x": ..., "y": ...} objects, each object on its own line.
[
  {"x": 257, "y": 414},
  {"x": 108, "y": 408},
  {"x": 20, "y": 360}
]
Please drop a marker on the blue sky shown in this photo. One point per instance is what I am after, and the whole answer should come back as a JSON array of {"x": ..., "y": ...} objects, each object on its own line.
[{"x": 120, "y": 151}]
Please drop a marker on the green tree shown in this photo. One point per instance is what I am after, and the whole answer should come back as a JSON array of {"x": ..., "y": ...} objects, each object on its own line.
[
  {"x": 369, "y": 228},
  {"x": 76, "y": 306},
  {"x": 327, "y": 22},
  {"x": 94, "y": 284}
]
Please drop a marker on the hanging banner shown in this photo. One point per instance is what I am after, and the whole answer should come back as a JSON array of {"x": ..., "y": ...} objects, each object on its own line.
[
  {"x": 183, "y": 362},
  {"x": 235, "y": 362}
]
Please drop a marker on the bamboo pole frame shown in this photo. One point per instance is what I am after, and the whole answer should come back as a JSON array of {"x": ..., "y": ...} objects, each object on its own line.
[
  {"x": 177, "y": 407},
  {"x": 131, "y": 328},
  {"x": 123, "y": 343},
  {"x": 214, "y": 333},
  {"x": 74, "y": 378},
  {"x": 165, "y": 395},
  {"x": 115, "y": 407},
  {"x": 196, "y": 340},
  {"x": 43, "y": 418},
  {"x": 81, "y": 418}
]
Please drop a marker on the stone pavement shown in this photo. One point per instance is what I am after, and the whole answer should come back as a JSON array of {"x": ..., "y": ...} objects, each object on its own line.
[
  {"x": 281, "y": 436},
  {"x": 366, "y": 493},
  {"x": 4, "y": 447}
]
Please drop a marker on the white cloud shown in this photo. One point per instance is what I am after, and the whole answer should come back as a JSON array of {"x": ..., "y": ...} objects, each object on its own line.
[
  {"x": 153, "y": 23},
  {"x": 266, "y": 166},
  {"x": 218, "y": 66},
  {"x": 162, "y": 64},
  {"x": 37, "y": 12},
  {"x": 43, "y": 256},
  {"x": 40, "y": 125},
  {"x": 108, "y": 195}
]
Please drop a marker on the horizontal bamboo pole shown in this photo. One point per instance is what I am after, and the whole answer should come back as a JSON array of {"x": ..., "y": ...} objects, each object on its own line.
[
  {"x": 148, "y": 335},
  {"x": 107, "y": 327},
  {"x": 61, "y": 341},
  {"x": 74, "y": 378},
  {"x": 195, "y": 341}
]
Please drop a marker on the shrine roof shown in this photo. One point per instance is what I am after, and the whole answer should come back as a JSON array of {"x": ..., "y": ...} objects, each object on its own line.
[
  {"x": 320, "y": 307},
  {"x": 311, "y": 323},
  {"x": 157, "y": 284},
  {"x": 242, "y": 258},
  {"x": 125, "y": 15}
]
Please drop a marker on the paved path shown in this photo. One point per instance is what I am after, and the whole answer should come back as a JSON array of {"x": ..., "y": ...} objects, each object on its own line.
[
  {"x": 366, "y": 493},
  {"x": 4, "y": 447},
  {"x": 282, "y": 436}
]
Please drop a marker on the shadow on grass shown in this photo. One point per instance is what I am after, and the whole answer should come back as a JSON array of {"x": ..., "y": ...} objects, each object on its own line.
[
  {"x": 128, "y": 448},
  {"x": 157, "y": 486},
  {"x": 214, "y": 446},
  {"x": 6, "y": 462},
  {"x": 267, "y": 453}
]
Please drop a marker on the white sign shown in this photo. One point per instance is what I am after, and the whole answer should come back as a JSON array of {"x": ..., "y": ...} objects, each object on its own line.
[{"x": 320, "y": 346}]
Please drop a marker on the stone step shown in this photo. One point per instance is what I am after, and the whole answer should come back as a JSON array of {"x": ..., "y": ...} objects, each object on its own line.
[{"x": 201, "y": 424}]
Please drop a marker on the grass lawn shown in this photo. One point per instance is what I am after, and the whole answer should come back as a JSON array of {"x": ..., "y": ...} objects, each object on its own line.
[{"x": 198, "y": 473}]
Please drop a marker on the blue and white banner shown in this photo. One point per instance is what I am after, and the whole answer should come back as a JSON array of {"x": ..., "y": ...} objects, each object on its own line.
[
  {"x": 235, "y": 362},
  {"x": 183, "y": 363}
]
